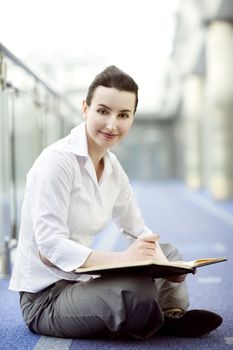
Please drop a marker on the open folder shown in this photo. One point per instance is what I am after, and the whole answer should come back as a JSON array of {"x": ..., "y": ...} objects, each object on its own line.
[{"x": 149, "y": 268}]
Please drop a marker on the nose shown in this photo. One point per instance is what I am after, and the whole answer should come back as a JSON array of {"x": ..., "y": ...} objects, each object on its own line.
[{"x": 111, "y": 122}]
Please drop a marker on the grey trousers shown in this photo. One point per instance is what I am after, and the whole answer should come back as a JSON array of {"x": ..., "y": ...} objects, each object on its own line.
[{"x": 105, "y": 306}]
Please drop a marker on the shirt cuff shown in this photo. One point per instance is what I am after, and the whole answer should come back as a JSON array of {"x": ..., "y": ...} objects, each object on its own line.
[{"x": 70, "y": 257}]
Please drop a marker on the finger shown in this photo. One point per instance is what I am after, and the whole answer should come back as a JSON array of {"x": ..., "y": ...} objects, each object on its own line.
[
  {"x": 146, "y": 244},
  {"x": 149, "y": 249},
  {"x": 150, "y": 245},
  {"x": 180, "y": 278},
  {"x": 176, "y": 279},
  {"x": 148, "y": 237}
]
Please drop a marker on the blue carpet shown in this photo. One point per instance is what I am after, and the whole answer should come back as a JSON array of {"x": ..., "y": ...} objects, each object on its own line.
[
  {"x": 13, "y": 332},
  {"x": 199, "y": 228}
]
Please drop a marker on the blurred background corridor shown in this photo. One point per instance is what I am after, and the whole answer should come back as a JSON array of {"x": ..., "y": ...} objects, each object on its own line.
[{"x": 179, "y": 52}]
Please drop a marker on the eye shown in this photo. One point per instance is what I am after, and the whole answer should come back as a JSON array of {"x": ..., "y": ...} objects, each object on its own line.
[
  {"x": 123, "y": 115},
  {"x": 102, "y": 111}
]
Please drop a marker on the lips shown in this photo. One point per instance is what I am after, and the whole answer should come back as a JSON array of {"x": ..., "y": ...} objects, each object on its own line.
[{"x": 108, "y": 135}]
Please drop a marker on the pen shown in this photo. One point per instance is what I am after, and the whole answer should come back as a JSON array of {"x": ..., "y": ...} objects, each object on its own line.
[
  {"x": 128, "y": 233},
  {"x": 131, "y": 234}
]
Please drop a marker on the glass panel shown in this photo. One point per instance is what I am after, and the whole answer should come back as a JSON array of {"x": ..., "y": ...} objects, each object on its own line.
[
  {"x": 5, "y": 169},
  {"x": 31, "y": 117}
]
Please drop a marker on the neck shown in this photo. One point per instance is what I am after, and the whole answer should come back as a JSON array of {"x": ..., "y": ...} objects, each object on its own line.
[
  {"x": 95, "y": 152},
  {"x": 97, "y": 158}
]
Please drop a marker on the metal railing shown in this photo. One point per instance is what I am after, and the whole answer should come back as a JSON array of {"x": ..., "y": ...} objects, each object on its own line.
[
  {"x": 39, "y": 78},
  {"x": 7, "y": 58}
]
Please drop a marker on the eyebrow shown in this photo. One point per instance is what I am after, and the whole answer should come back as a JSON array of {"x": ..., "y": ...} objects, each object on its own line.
[{"x": 122, "y": 110}]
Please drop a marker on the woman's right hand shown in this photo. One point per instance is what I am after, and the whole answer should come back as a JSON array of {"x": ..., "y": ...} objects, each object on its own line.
[{"x": 144, "y": 247}]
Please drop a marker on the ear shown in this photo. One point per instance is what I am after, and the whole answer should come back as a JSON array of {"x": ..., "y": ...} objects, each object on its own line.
[{"x": 84, "y": 109}]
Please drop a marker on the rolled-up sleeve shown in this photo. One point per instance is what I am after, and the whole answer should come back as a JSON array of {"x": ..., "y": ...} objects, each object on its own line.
[{"x": 50, "y": 190}]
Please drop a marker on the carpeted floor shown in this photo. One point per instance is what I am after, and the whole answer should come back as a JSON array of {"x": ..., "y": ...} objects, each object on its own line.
[{"x": 199, "y": 228}]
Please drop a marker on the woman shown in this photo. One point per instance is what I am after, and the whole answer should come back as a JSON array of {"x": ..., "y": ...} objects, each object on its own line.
[{"x": 73, "y": 189}]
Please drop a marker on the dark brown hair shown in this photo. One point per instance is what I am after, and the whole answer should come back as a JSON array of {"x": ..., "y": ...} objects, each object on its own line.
[{"x": 113, "y": 77}]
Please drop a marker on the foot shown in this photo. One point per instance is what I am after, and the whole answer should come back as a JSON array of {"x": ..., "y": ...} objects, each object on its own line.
[{"x": 190, "y": 324}]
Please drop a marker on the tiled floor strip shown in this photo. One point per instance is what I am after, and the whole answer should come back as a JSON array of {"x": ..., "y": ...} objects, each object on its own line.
[
  {"x": 209, "y": 279},
  {"x": 229, "y": 340},
  {"x": 211, "y": 208},
  {"x": 51, "y": 343}
]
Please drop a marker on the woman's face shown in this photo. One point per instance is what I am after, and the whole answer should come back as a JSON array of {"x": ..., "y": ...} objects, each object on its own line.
[{"x": 109, "y": 117}]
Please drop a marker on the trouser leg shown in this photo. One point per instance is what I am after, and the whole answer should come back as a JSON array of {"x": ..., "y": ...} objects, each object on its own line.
[
  {"x": 170, "y": 294},
  {"x": 100, "y": 307}
]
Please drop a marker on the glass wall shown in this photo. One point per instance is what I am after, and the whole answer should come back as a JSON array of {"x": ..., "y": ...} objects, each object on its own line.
[
  {"x": 31, "y": 117},
  {"x": 5, "y": 169}
]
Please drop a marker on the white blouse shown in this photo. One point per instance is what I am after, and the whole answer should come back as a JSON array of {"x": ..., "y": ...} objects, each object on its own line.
[{"x": 65, "y": 207}]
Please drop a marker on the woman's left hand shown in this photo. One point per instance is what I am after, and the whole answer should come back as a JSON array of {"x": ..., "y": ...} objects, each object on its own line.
[{"x": 176, "y": 279}]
